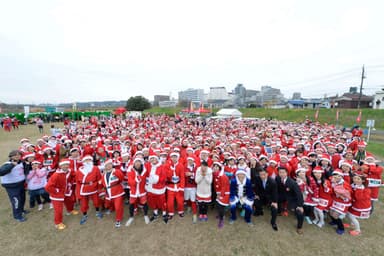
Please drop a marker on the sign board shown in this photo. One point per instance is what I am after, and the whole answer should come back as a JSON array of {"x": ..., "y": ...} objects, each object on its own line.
[
  {"x": 50, "y": 109},
  {"x": 371, "y": 123},
  {"x": 26, "y": 111}
]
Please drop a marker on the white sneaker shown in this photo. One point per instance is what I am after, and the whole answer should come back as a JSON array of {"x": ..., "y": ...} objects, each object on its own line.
[
  {"x": 146, "y": 219},
  {"x": 320, "y": 224},
  {"x": 50, "y": 206},
  {"x": 40, "y": 207},
  {"x": 129, "y": 221}
]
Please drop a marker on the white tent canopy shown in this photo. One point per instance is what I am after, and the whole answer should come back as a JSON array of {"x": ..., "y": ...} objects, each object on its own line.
[{"x": 229, "y": 112}]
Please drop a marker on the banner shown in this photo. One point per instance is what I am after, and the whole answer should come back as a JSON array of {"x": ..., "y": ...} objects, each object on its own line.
[
  {"x": 26, "y": 111},
  {"x": 358, "y": 119}
]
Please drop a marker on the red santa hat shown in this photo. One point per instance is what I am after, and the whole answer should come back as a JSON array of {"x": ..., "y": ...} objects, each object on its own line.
[
  {"x": 64, "y": 162},
  {"x": 46, "y": 148},
  {"x": 153, "y": 156},
  {"x": 300, "y": 170},
  {"x": 87, "y": 157},
  {"x": 362, "y": 144},
  {"x": 191, "y": 158},
  {"x": 318, "y": 169},
  {"x": 240, "y": 157},
  {"x": 325, "y": 157},
  {"x": 73, "y": 150},
  {"x": 218, "y": 164},
  {"x": 28, "y": 155},
  {"x": 125, "y": 154},
  {"x": 36, "y": 162},
  {"x": 175, "y": 154},
  {"x": 337, "y": 172},
  {"x": 24, "y": 140},
  {"x": 346, "y": 163},
  {"x": 204, "y": 151}
]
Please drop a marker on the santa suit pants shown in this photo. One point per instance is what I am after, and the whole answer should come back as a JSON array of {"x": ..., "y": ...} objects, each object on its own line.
[
  {"x": 69, "y": 202},
  {"x": 84, "y": 202},
  {"x": 58, "y": 207},
  {"x": 179, "y": 196},
  {"x": 116, "y": 204},
  {"x": 157, "y": 202}
]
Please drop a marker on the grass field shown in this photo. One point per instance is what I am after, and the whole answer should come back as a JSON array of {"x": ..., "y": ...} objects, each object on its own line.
[
  {"x": 347, "y": 117},
  {"x": 38, "y": 236}
]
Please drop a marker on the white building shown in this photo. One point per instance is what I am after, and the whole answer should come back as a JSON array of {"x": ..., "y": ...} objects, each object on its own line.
[
  {"x": 218, "y": 93},
  {"x": 191, "y": 95},
  {"x": 378, "y": 100}
]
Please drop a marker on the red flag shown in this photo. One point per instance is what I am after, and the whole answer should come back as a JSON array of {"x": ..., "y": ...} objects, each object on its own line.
[
  {"x": 337, "y": 115},
  {"x": 358, "y": 119},
  {"x": 317, "y": 114}
]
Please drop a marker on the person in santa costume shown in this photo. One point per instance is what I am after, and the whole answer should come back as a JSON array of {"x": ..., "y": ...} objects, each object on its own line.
[
  {"x": 361, "y": 203},
  {"x": 325, "y": 196},
  {"x": 241, "y": 194},
  {"x": 58, "y": 186},
  {"x": 156, "y": 187},
  {"x": 190, "y": 186},
  {"x": 203, "y": 180},
  {"x": 112, "y": 182},
  {"x": 373, "y": 173},
  {"x": 175, "y": 186},
  {"x": 221, "y": 187},
  {"x": 341, "y": 200},
  {"x": 137, "y": 177},
  {"x": 88, "y": 181}
]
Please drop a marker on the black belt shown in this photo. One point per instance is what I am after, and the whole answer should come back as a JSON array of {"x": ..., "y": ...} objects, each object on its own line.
[
  {"x": 114, "y": 185},
  {"x": 170, "y": 182}
]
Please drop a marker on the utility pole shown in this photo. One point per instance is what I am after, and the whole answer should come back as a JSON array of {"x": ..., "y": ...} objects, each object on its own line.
[{"x": 361, "y": 87}]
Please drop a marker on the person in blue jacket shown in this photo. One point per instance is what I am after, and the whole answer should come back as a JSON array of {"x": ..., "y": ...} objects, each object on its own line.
[
  {"x": 12, "y": 179},
  {"x": 242, "y": 195}
]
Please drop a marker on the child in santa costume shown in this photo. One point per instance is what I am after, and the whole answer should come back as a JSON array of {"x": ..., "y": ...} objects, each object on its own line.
[
  {"x": 175, "y": 186},
  {"x": 341, "y": 200},
  {"x": 137, "y": 176},
  {"x": 241, "y": 194},
  {"x": 156, "y": 186},
  {"x": 112, "y": 182},
  {"x": 88, "y": 181},
  {"x": 221, "y": 185},
  {"x": 325, "y": 196},
  {"x": 190, "y": 186},
  {"x": 58, "y": 186},
  {"x": 203, "y": 180},
  {"x": 361, "y": 203},
  {"x": 373, "y": 173}
]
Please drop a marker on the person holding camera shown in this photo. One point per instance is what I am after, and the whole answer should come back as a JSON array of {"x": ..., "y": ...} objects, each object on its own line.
[{"x": 13, "y": 179}]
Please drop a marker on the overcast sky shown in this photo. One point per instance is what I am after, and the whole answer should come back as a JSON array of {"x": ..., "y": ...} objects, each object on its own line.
[{"x": 66, "y": 51}]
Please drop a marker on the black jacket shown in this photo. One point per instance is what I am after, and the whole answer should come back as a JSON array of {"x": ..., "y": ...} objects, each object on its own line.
[
  {"x": 290, "y": 192},
  {"x": 269, "y": 193}
]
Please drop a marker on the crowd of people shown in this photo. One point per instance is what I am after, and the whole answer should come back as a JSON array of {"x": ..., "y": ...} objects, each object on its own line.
[
  {"x": 164, "y": 166},
  {"x": 8, "y": 123}
]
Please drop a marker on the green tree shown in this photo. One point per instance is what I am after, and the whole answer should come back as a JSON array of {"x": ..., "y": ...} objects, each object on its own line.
[{"x": 138, "y": 103}]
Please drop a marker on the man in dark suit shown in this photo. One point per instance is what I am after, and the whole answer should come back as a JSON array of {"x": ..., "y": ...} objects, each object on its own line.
[
  {"x": 266, "y": 195},
  {"x": 289, "y": 194}
]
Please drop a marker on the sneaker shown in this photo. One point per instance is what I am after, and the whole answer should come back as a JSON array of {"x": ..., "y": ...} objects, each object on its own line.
[
  {"x": 194, "y": 218},
  {"x": 201, "y": 217},
  {"x": 74, "y": 212},
  {"x": 340, "y": 231},
  {"x": 154, "y": 217},
  {"x": 99, "y": 215},
  {"x": 242, "y": 213},
  {"x": 146, "y": 219},
  {"x": 26, "y": 212},
  {"x": 129, "y": 222},
  {"x": 320, "y": 224},
  {"x": 231, "y": 221},
  {"x": 117, "y": 224},
  {"x": 300, "y": 231},
  {"x": 22, "y": 219},
  {"x": 221, "y": 224},
  {"x": 40, "y": 207},
  {"x": 308, "y": 220},
  {"x": 250, "y": 224},
  {"x": 315, "y": 221},
  {"x": 285, "y": 213},
  {"x": 354, "y": 233},
  {"x": 346, "y": 225},
  {"x": 205, "y": 217},
  {"x": 274, "y": 227},
  {"x": 170, "y": 217},
  {"x": 60, "y": 226},
  {"x": 107, "y": 212},
  {"x": 181, "y": 215},
  {"x": 50, "y": 206},
  {"x": 165, "y": 219},
  {"x": 83, "y": 219}
]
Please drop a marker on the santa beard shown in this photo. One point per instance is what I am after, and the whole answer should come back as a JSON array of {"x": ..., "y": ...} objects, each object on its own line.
[{"x": 87, "y": 167}]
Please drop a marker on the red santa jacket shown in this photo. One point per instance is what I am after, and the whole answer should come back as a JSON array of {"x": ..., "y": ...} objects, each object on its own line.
[
  {"x": 175, "y": 177},
  {"x": 312, "y": 192},
  {"x": 136, "y": 182},
  {"x": 221, "y": 183},
  {"x": 335, "y": 159},
  {"x": 341, "y": 197},
  {"x": 75, "y": 164},
  {"x": 156, "y": 180},
  {"x": 325, "y": 195},
  {"x": 190, "y": 180},
  {"x": 87, "y": 183},
  {"x": 113, "y": 183},
  {"x": 57, "y": 185},
  {"x": 361, "y": 202}
]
